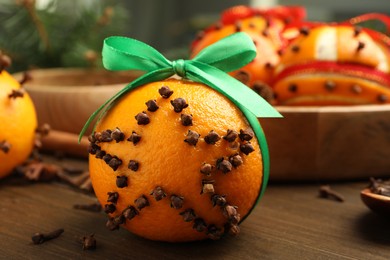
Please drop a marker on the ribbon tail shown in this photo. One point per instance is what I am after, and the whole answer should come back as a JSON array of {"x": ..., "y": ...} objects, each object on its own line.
[
  {"x": 147, "y": 78},
  {"x": 237, "y": 92}
]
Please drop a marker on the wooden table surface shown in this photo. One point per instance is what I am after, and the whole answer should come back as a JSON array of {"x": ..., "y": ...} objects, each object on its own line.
[{"x": 291, "y": 222}]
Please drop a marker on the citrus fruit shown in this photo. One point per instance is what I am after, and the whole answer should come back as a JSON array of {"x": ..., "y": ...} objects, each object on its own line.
[
  {"x": 174, "y": 161},
  {"x": 334, "y": 65},
  {"x": 258, "y": 73},
  {"x": 18, "y": 124}
]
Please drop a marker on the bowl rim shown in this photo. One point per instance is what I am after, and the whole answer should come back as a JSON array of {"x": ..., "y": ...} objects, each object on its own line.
[
  {"x": 334, "y": 109},
  {"x": 73, "y": 71}
]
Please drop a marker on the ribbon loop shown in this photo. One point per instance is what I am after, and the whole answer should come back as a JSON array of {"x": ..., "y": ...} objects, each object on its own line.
[{"x": 179, "y": 67}]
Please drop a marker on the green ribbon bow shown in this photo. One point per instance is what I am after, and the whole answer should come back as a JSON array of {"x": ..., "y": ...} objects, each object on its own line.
[{"x": 208, "y": 67}]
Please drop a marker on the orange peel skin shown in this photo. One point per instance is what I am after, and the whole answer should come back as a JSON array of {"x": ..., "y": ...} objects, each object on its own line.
[
  {"x": 18, "y": 123},
  {"x": 166, "y": 161}
]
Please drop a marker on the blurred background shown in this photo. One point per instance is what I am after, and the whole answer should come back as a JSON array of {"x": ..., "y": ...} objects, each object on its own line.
[{"x": 54, "y": 33}]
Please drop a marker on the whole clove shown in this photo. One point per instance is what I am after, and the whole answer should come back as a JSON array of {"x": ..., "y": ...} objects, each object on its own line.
[
  {"x": 295, "y": 48},
  {"x": 152, "y": 105},
  {"x": 142, "y": 118},
  {"x": 207, "y": 188},
  {"x": 327, "y": 192},
  {"x": 224, "y": 165},
  {"x": 179, "y": 104},
  {"x": 43, "y": 130},
  {"x": 111, "y": 224},
  {"x": 97, "y": 136},
  {"x": 246, "y": 148},
  {"x": 112, "y": 197},
  {"x": 356, "y": 89},
  {"x": 177, "y": 202},
  {"x": 242, "y": 76},
  {"x": 16, "y": 93},
  {"x": 192, "y": 138},
  {"x": 109, "y": 208},
  {"x": 382, "y": 98},
  {"x": 360, "y": 46},
  {"x": 134, "y": 138},
  {"x": 39, "y": 238},
  {"x": 105, "y": 136},
  {"x": 93, "y": 207},
  {"x": 235, "y": 160},
  {"x": 88, "y": 242},
  {"x": 121, "y": 181},
  {"x": 133, "y": 165},
  {"x": 130, "y": 212},
  {"x": 199, "y": 225},
  {"x": 101, "y": 154},
  {"x": 165, "y": 91},
  {"x": 330, "y": 85},
  {"x": 246, "y": 135},
  {"x": 106, "y": 157},
  {"x": 264, "y": 91},
  {"x": 186, "y": 120},
  {"x": 114, "y": 163},
  {"x": 39, "y": 171},
  {"x": 231, "y": 213},
  {"x": 238, "y": 26},
  {"x": 141, "y": 202},
  {"x": 117, "y": 135},
  {"x": 213, "y": 232},
  {"x": 304, "y": 31},
  {"x": 230, "y": 136},
  {"x": 268, "y": 65},
  {"x": 26, "y": 77},
  {"x": 233, "y": 229},
  {"x": 293, "y": 88},
  {"x": 206, "y": 169},
  {"x": 5, "y": 146},
  {"x": 218, "y": 200},
  {"x": 188, "y": 215},
  {"x": 93, "y": 148},
  {"x": 212, "y": 137},
  {"x": 158, "y": 193}
]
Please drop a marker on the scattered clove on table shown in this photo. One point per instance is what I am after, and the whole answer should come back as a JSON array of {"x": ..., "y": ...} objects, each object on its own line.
[
  {"x": 39, "y": 238},
  {"x": 88, "y": 242},
  {"x": 38, "y": 170},
  {"x": 327, "y": 192}
]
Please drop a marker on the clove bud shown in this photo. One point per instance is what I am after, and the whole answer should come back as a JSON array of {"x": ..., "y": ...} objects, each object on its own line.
[{"x": 39, "y": 238}]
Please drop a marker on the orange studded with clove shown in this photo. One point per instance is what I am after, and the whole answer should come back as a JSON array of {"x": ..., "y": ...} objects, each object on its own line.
[
  {"x": 18, "y": 122},
  {"x": 267, "y": 40},
  {"x": 173, "y": 185}
]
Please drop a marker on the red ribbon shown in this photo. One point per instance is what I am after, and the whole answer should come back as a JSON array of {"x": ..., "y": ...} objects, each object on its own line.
[
  {"x": 351, "y": 69},
  {"x": 285, "y": 13},
  {"x": 377, "y": 36}
]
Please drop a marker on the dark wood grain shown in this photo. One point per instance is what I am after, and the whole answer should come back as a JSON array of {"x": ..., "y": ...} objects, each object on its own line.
[{"x": 291, "y": 222}]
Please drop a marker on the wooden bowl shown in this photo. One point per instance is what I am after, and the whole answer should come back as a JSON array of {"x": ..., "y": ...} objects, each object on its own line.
[
  {"x": 329, "y": 143},
  {"x": 65, "y": 98},
  {"x": 377, "y": 203}
]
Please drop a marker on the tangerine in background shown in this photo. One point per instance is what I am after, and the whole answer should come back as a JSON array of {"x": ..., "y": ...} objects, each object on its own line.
[{"x": 18, "y": 124}]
